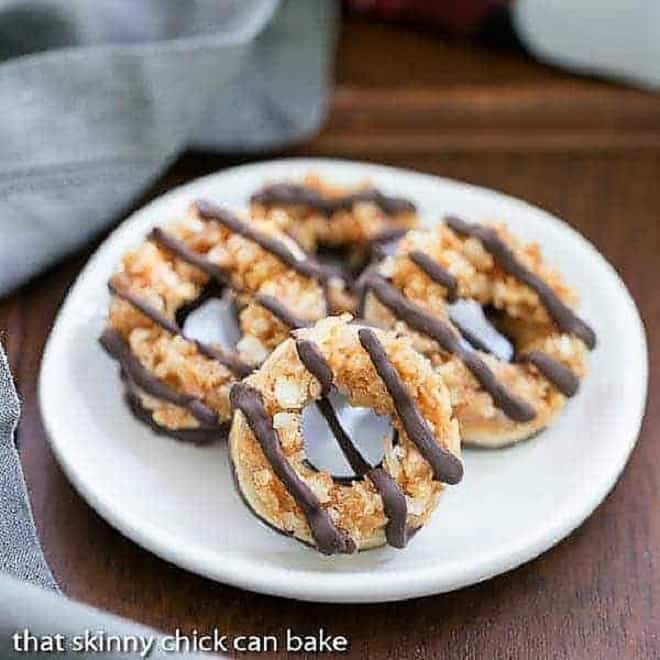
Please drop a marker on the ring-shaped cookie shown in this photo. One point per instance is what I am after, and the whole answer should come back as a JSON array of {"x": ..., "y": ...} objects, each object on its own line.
[
  {"x": 496, "y": 402},
  {"x": 372, "y": 369},
  {"x": 181, "y": 386}
]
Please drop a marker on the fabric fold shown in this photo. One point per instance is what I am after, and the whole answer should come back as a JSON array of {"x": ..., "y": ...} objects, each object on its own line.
[{"x": 88, "y": 125}]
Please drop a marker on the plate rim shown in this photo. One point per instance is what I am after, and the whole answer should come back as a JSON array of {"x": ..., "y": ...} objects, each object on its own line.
[{"x": 339, "y": 587}]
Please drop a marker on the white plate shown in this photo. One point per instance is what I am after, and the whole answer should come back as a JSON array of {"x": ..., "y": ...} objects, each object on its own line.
[{"x": 179, "y": 502}]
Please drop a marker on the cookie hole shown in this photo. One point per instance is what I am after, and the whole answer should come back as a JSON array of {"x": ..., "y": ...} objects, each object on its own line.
[
  {"x": 214, "y": 322},
  {"x": 366, "y": 430},
  {"x": 479, "y": 331},
  {"x": 347, "y": 261}
]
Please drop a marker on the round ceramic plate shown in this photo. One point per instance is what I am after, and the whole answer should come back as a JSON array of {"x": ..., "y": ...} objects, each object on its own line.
[{"x": 179, "y": 501}]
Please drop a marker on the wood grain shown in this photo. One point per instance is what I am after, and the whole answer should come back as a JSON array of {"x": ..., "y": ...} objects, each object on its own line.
[
  {"x": 404, "y": 92},
  {"x": 597, "y": 594}
]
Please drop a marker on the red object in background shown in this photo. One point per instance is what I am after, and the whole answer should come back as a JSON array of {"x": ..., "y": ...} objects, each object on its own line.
[{"x": 457, "y": 16}]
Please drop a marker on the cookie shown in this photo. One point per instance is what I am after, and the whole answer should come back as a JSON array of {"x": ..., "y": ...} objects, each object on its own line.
[
  {"x": 385, "y": 503},
  {"x": 181, "y": 385},
  {"x": 497, "y": 402}
]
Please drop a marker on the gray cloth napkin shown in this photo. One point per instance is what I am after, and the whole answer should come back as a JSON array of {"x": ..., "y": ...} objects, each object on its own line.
[
  {"x": 97, "y": 97},
  {"x": 20, "y": 554},
  {"x": 44, "y": 614},
  {"x": 125, "y": 86}
]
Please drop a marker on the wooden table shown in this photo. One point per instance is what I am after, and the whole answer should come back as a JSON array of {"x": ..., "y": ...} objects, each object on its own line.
[{"x": 585, "y": 150}]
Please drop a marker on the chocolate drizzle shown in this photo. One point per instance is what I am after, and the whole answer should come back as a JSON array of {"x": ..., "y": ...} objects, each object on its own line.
[
  {"x": 417, "y": 318},
  {"x": 386, "y": 243},
  {"x": 446, "y": 467},
  {"x": 293, "y": 194},
  {"x": 280, "y": 311},
  {"x": 328, "y": 537},
  {"x": 145, "y": 308},
  {"x": 227, "y": 358},
  {"x": 201, "y": 435},
  {"x": 556, "y": 372},
  {"x": 181, "y": 250},
  {"x": 395, "y": 508},
  {"x": 316, "y": 364},
  {"x": 562, "y": 315},
  {"x": 390, "y": 235},
  {"x": 479, "y": 330},
  {"x": 394, "y": 501},
  {"x": 350, "y": 451},
  {"x": 305, "y": 266},
  {"x": 471, "y": 337},
  {"x": 185, "y": 253},
  {"x": 436, "y": 272},
  {"x": 142, "y": 378}
]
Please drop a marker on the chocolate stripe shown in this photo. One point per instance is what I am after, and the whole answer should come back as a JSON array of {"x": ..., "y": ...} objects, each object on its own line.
[
  {"x": 329, "y": 539},
  {"x": 145, "y": 308},
  {"x": 387, "y": 203},
  {"x": 353, "y": 456},
  {"x": 563, "y": 316},
  {"x": 389, "y": 235},
  {"x": 280, "y": 311},
  {"x": 185, "y": 253},
  {"x": 115, "y": 345},
  {"x": 394, "y": 501},
  {"x": 203, "y": 435},
  {"x": 446, "y": 467},
  {"x": 394, "y": 506},
  {"x": 436, "y": 272},
  {"x": 293, "y": 194},
  {"x": 471, "y": 337},
  {"x": 381, "y": 249},
  {"x": 315, "y": 363},
  {"x": 556, "y": 372},
  {"x": 417, "y": 318},
  {"x": 305, "y": 266},
  {"x": 226, "y": 358}
]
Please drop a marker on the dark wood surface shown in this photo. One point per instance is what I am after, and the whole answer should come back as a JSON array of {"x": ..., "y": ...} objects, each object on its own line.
[{"x": 585, "y": 150}]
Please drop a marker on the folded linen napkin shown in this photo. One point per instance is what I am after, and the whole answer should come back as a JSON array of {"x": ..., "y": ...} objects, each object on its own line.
[{"x": 122, "y": 88}]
